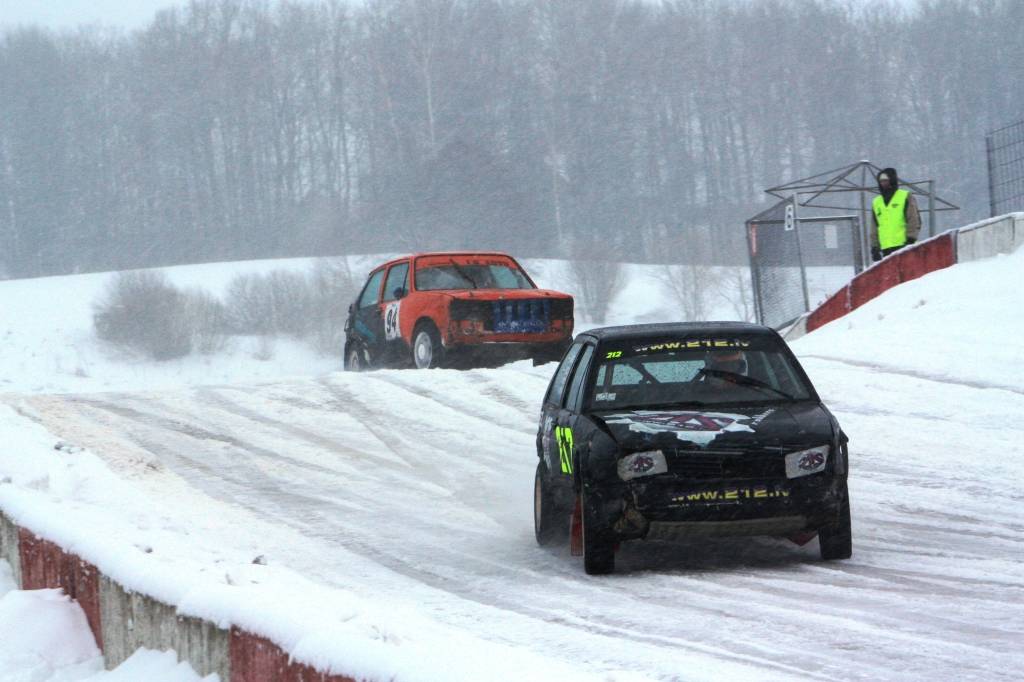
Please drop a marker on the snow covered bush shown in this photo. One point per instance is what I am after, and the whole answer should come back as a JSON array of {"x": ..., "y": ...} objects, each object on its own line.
[
  {"x": 277, "y": 302},
  {"x": 333, "y": 290},
  {"x": 596, "y": 280},
  {"x": 690, "y": 288},
  {"x": 144, "y": 312},
  {"x": 309, "y": 306},
  {"x": 206, "y": 320}
]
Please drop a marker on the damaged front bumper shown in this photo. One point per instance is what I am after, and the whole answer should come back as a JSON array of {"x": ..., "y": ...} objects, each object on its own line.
[{"x": 667, "y": 506}]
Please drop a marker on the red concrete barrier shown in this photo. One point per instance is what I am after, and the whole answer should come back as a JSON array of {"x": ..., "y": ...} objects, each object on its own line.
[
  {"x": 257, "y": 659},
  {"x": 45, "y": 565},
  {"x": 837, "y": 305},
  {"x": 926, "y": 257},
  {"x": 873, "y": 281}
]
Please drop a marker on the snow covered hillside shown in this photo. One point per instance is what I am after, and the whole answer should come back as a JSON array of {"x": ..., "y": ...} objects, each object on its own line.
[
  {"x": 49, "y": 344},
  {"x": 380, "y": 522}
]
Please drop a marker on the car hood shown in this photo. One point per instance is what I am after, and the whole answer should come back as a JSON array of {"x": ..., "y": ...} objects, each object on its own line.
[{"x": 726, "y": 427}]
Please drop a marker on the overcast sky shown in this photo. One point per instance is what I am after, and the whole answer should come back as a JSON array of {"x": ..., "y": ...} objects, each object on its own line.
[{"x": 60, "y": 14}]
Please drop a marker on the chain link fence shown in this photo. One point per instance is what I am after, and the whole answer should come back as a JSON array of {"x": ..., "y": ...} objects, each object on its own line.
[
  {"x": 1005, "y": 150},
  {"x": 796, "y": 263}
]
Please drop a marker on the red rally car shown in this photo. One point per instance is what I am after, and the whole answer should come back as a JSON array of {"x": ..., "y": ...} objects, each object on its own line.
[{"x": 455, "y": 309}]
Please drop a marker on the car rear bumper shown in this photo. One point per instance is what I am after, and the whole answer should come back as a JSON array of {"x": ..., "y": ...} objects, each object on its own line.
[
  {"x": 459, "y": 338},
  {"x": 499, "y": 352}
]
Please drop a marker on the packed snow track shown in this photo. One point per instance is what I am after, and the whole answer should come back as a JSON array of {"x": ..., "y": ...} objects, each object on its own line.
[{"x": 414, "y": 489}]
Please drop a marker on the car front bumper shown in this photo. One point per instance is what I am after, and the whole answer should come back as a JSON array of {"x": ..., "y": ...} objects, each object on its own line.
[{"x": 667, "y": 506}]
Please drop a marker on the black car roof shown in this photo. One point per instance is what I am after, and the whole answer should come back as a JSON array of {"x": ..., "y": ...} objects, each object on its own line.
[{"x": 635, "y": 331}]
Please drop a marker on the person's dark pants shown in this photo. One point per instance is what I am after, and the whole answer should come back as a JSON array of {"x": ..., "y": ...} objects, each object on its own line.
[{"x": 878, "y": 254}]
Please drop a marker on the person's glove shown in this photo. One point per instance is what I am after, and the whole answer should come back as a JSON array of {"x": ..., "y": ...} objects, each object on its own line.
[
  {"x": 911, "y": 240},
  {"x": 876, "y": 253}
]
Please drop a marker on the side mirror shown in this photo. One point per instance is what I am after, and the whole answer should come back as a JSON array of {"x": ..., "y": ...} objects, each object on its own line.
[{"x": 400, "y": 292}]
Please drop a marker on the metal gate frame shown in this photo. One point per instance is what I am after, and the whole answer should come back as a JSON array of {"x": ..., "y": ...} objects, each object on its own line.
[{"x": 791, "y": 220}]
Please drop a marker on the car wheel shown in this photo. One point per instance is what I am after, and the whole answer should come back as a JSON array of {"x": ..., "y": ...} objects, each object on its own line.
[
  {"x": 427, "y": 350},
  {"x": 836, "y": 539},
  {"x": 355, "y": 359},
  {"x": 598, "y": 550},
  {"x": 549, "y": 523}
]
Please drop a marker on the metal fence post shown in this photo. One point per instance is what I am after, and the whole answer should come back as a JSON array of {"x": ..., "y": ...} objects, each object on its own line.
[
  {"x": 931, "y": 208},
  {"x": 755, "y": 281},
  {"x": 989, "y": 154},
  {"x": 800, "y": 253}
]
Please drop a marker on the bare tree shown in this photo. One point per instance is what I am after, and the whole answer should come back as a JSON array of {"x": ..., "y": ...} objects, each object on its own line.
[{"x": 596, "y": 279}]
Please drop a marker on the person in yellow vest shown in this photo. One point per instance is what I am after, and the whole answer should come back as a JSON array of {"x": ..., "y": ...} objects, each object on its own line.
[{"x": 897, "y": 220}]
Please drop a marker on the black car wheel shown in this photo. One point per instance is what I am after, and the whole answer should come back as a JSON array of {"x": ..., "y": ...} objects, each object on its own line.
[
  {"x": 427, "y": 350},
  {"x": 836, "y": 539},
  {"x": 355, "y": 358},
  {"x": 598, "y": 550},
  {"x": 550, "y": 523}
]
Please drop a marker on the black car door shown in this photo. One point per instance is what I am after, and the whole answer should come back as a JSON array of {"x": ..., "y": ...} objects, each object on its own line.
[
  {"x": 548, "y": 437},
  {"x": 568, "y": 431},
  {"x": 368, "y": 325}
]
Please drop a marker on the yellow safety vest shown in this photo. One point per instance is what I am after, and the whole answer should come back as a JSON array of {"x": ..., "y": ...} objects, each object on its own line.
[{"x": 892, "y": 222}]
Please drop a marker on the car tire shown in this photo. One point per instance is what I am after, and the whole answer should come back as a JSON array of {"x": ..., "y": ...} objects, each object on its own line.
[
  {"x": 836, "y": 539},
  {"x": 355, "y": 358},
  {"x": 550, "y": 523},
  {"x": 427, "y": 351},
  {"x": 598, "y": 550}
]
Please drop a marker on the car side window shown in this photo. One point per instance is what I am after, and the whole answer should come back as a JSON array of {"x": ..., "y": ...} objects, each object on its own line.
[
  {"x": 398, "y": 279},
  {"x": 371, "y": 292},
  {"x": 557, "y": 386},
  {"x": 579, "y": 377}
]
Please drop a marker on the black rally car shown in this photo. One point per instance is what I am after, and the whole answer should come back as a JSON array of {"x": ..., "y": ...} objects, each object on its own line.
[{"x": 688, "y": 429}]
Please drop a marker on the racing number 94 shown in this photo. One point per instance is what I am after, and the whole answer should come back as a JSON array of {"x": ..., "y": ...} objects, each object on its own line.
[{"x": 563, "y": 436}]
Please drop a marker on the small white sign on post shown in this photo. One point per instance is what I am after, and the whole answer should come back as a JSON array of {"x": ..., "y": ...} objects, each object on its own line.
[{"x": 790, "y": 218}]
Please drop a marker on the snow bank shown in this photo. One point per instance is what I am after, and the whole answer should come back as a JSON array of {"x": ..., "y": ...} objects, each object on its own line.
[
  {"x": 963, "y": 323},
  {"x": 6, "y": 578},
  {"x": 43, "y": 633},
  {"x": 152, "y": 666},
  {"x": 44, "y": 637}
]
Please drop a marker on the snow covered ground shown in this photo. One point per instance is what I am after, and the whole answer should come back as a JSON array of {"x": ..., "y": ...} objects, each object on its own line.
[
  {"x": 380, "y": 522},
  {"x": 44, "y": 638}
]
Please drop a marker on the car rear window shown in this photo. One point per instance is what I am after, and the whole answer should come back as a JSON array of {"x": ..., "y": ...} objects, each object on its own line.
[{"x": 706, "y": 370}]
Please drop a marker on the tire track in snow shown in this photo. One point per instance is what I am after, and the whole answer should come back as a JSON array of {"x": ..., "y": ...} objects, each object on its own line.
[
  {"x": 170, "y": 425},
  {"x": 895, "y": 611}
]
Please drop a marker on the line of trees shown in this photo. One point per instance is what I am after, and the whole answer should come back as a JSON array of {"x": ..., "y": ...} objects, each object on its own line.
[{"x": 235, "y": 129}]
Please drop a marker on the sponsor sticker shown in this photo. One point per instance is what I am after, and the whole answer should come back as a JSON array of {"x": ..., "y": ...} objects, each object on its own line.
[
  {"x": 604, "y": 396},
  {"x": 729, "y": 495},
  {"x": 806, "y": 462},
  {"x": 691, "y": 344}
]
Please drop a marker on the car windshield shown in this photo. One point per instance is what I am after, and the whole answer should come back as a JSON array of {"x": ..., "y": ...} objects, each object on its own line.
[
  {"x": 709, "y": 370},
  {"x": 455, "y": 275}
]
